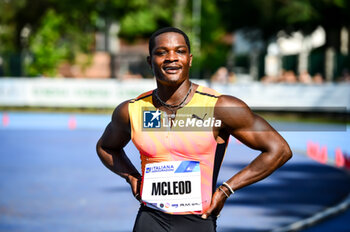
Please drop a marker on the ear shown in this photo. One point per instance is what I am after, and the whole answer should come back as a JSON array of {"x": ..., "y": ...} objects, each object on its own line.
[
  {"x": 149, "y": 61},
  {"x": 191, "y": 60}
]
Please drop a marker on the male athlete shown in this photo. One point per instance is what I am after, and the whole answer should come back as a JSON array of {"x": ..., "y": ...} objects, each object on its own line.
[{"x": 180, "y": 160}]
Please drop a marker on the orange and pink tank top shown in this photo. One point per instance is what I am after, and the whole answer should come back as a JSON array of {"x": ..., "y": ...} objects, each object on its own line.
[{"x": 178, "y": 153}]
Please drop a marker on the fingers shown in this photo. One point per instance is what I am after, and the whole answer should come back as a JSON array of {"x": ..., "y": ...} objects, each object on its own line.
[
  {"x": 207, "y": 213},
  {"x": 217, "y": 203},
  {"x": 135, "y": 184}
]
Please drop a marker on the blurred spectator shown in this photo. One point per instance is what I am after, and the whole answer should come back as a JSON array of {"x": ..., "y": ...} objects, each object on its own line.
[
  {"x": 305, "y": 77},
  {"x": 223, "y": 76},
  {"x": 288, "y": 77},
  {"x": 317, "y": 79},
  {"x": 269, "y": 79},
  {"x": 346, "y": 76},
  {"x": 231, "y": 77},
  {"x": 220, "y": 76}
]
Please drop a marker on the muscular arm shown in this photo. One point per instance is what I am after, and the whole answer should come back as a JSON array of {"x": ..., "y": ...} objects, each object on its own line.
[
  {"x": 255, "y": 132},
  {"x": 238, "y": 120},
  {"x": 110, "y": 147}
]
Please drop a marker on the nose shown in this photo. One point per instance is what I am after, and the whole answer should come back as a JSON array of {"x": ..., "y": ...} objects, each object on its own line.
[{"x": 171, "y": 57}]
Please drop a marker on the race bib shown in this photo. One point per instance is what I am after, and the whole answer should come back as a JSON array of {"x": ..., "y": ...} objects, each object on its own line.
[{"x": 173, "y": 186}]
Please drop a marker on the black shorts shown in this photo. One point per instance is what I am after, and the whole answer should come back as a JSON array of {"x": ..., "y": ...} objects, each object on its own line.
[{"x": 151, "y": 220}]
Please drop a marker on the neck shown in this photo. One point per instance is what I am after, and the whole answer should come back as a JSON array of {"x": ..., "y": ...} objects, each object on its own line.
[{"x": 173, "y": 94}]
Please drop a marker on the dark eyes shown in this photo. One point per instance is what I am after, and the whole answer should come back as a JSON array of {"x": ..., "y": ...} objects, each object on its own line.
[{"x": 160, "y": 53}]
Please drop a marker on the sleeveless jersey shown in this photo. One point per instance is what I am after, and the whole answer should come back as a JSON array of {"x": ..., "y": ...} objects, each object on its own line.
[{"x": 168, "y": 144}]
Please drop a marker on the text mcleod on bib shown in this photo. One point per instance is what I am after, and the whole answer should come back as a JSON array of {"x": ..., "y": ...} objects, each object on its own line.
[{"x": 173, "y": 186}]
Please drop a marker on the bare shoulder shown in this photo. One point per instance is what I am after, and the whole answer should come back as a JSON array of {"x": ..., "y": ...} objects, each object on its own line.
[
  {"x": 121, "y": 113},
  {"x": 117, "y": 132},
  {"x": 233, "y": 112},
  {"x": 230, "y": 101}
]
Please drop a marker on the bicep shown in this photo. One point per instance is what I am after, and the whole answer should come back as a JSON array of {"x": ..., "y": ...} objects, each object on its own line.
[
  {"x": 252, "y": 130},
  {"x": 257, "y": 134}
]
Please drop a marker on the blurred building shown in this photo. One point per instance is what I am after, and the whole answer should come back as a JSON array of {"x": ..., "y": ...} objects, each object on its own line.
[
  {"x": 113, "y": 58},
  {"x": 290, "y": 58}
]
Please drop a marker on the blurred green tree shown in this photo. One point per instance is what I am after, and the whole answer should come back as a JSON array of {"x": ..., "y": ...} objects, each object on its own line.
[
  {"x": 214, "y": 49},
  {"x": 52, "y": 31},
  {"x": 142, "y": 17},
  {"x": 48, "y": 30},
  {"x": 10, "y": 34}
]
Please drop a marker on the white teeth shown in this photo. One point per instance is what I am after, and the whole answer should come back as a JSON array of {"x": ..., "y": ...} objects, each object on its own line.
[{"x": 171, "y": 68}]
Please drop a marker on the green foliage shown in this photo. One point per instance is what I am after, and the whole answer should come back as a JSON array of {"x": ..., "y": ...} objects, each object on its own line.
[
  {"x": 8, "y": 10},
  {"x": 7, "y": 34},
  {"x": 7, "y": 24},
  {"x": 144, "y": 17},
  {"x": 298, "y": 11},
  {"x": 138, "y": 23},
  {"x": 46, "y": 46},
  {"x": 213, "y": 50},
  {"x": 55, "y": 41}
]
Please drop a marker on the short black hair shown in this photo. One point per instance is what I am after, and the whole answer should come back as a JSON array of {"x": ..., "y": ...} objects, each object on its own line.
[{"x": 151, "y": 42}]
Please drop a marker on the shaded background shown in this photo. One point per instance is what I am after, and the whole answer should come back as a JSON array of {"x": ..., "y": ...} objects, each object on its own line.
[{"x": 262, "y": 38}]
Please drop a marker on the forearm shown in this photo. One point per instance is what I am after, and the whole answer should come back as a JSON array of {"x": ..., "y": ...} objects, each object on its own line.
[
  {"x": 117, "y": 161},
  {"x": 265, "y": 164}
]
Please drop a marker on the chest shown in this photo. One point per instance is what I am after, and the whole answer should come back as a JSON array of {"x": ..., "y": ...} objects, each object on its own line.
[{"x": 175, "y": 144}]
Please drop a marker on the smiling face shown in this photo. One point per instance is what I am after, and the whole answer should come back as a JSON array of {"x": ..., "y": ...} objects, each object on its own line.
[{"x": 170, "y": 58}]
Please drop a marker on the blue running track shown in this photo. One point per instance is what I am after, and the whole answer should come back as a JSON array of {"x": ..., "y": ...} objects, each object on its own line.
[{"x": 52, "y": 180}]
